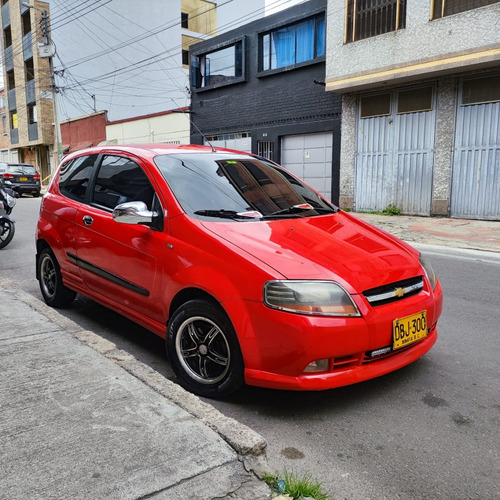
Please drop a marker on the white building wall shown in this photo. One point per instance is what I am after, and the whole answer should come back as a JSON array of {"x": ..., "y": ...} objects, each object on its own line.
[{"x": 172, "y": 128}]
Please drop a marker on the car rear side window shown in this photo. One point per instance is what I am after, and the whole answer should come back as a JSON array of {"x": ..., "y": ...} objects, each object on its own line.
[
  {"x": 121, "y": 180},
  {"x": 74, "y": 177}
]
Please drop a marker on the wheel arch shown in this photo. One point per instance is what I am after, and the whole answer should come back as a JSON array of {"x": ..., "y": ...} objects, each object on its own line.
[
  {"x": 192, "y": 293},
  {"x": 41, "y": 244}
]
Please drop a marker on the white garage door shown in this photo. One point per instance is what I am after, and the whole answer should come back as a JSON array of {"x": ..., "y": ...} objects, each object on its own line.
[{"x": 309, "y": 156}]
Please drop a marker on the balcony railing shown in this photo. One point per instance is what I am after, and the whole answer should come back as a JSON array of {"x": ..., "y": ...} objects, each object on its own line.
[
  {"x": 27, "y": 46},
  {"x": 11, "y": 96},
  {"x": 9, "y": 59},
  {"x": 5, "y": 15},
  {"x": 14, "y": 136},
  {"x": 33, "y": 132},
  {"x": 30, "y": 92}
]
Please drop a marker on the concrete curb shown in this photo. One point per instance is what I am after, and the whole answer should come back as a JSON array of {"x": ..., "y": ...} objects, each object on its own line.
[{"x": 250, "y": 445}]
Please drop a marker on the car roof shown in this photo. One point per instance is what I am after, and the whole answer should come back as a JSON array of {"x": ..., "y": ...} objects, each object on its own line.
[{"x": 152, "y": 150}]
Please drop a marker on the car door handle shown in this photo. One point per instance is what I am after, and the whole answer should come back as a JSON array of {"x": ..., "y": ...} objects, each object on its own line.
[{"x": 87, "y": 220}]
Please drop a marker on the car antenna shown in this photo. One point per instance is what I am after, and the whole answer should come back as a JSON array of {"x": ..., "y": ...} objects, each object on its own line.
[{"x": 198, "y": 130}]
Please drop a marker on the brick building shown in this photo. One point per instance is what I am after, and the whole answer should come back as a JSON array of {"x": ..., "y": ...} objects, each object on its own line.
[{"x": 29, "y": 105}]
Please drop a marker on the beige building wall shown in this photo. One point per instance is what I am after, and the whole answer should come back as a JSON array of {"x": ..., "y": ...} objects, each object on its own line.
[
  {"x": 170, "y": 128},
  {"x": 202, "y": 17}
]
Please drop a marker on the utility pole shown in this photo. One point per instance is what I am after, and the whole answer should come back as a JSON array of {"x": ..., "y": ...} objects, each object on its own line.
[{"x": 46, "y": 50}]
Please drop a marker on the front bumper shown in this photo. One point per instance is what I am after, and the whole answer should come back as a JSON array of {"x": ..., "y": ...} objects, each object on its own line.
[
  {"x": 357, "y": 371},
  {"x": 277, "y": 347}
]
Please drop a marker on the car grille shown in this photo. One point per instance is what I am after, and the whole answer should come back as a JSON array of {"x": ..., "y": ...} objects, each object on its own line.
[{"x": 394, "y": 291}]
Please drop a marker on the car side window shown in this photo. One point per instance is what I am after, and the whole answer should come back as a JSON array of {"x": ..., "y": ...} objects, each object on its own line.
[
  {"x": 120, "y": 180},
  {"x": 75, "y": 175}
]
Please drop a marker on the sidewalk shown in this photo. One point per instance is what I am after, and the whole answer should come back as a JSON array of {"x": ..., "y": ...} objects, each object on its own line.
[
  {"x": 457, "y": 233},
  {"x": 82, "y": 420}
]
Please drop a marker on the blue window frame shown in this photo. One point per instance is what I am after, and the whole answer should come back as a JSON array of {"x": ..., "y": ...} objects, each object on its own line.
[{"x": 293, "y": 44}]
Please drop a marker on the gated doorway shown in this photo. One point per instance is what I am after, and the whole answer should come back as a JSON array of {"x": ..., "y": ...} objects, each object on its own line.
[
  {"x": 394, "y": 158},
  {"x": 476, "y": 164}
]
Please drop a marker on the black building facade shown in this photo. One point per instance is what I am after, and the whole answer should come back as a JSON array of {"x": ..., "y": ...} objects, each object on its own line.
[{"x": 260, "y": 88}]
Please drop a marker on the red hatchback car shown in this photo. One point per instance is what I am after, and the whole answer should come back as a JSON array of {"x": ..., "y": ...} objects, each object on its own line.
[{"x": 249, "y": 274}]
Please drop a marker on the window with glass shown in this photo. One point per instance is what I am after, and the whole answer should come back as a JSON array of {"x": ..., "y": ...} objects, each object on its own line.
[
  {"x": 481, "y": 90},
  {"x": 238, "y": 187},
  {"x": 121, "y": 180},
  {"x": 26, "y": 22},
  {"x": 368, "y": 18},
  {"x": 443, "y": 8},
  {"x": 218, "y": 67},
  {"x": 184, "y": 20},
  {"x": 74, "y": 177},
  {"x": 32, "y": 114},
  {"x": 13, "y": 119},
  {"x": 7, "y": 33},
  {"x": 293, "y": 44}
]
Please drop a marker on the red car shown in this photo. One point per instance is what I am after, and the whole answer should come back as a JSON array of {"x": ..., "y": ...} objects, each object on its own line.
[{"x": 249, "y": 274}]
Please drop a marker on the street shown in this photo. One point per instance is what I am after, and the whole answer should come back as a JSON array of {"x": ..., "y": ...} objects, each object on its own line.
[{"x": 430, "y": 430}]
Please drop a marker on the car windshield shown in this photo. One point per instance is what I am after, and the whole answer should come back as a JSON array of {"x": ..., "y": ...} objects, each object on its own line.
[
  {"x": 238, "y": 187},
  {"x": 22, "y": 169}
]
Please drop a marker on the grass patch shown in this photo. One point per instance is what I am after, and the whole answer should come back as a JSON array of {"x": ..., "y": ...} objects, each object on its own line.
[
  {"x": 294, "y": 486},
  {"x": 391, "y": 210},
  {"x": 388, "y": 210}
]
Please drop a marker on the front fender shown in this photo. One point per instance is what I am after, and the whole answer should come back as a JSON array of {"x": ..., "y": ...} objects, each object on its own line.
[{"x": 7, "y": 217}]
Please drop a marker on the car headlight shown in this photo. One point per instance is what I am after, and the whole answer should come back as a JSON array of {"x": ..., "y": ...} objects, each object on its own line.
[
  {"x": 318, "y": 298},
  {"x": 428, "y": 271}
]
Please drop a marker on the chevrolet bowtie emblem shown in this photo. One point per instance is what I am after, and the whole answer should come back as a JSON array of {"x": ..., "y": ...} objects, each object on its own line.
[{"x": 399, "y": 292}]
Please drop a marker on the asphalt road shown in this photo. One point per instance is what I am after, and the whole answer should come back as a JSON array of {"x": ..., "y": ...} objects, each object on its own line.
[{"x": 428, "y": 431}]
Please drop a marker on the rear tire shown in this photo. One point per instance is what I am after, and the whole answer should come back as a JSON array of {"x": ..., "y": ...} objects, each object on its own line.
[
  {"x": 204, "y": 351},
  {"x": 53, "y": 291},
  {"x": 7, "y": 231}
]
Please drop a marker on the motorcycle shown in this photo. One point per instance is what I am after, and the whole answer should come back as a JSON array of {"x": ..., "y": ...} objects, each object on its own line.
[{"x": 7, "y": 223}]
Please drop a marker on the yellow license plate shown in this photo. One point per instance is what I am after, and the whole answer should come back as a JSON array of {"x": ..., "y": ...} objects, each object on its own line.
[
  {"x": 23, "y": 179},
  {"x": 407, "y": 330}
]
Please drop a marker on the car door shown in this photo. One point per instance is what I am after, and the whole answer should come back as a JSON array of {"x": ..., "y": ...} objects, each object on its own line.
[
  {"x": 60, "y": 207},
  {"x": 121, "y": 261}
]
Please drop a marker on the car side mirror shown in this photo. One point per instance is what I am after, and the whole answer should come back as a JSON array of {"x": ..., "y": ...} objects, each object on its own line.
[{"x": 133, "y": 212}]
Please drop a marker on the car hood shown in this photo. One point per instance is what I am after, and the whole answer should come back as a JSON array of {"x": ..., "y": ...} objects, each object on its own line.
[{"x": 336, "y": 247}]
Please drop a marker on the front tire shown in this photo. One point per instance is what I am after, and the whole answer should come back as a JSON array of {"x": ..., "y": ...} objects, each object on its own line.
[
  {"x": 204, "y": 351},
  {"x": 53, "y": 291},
  {"x": 7, "y": 230}
]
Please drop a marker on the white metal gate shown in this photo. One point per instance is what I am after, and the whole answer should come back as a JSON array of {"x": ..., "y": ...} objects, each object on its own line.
[
  {"x": 238, "y": 141},
  {"x": 309, "y": 156},
  {"x": 476, "y": 164},
  {"x": 394, "y": 160}
]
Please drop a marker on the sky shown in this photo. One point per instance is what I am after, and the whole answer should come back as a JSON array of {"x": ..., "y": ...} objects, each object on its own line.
[{"x": 272, "y": 6}]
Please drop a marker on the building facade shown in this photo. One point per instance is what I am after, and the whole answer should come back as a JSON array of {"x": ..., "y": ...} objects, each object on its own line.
[
  {"x": 260, "y": 88},
  {"x": 29, "y": 103},
  {"x": 4, "y": 129},
  {"x": 420, "y": 85},
  {"x": 83, "y": 132},
  {"x": 170, "y": 127}
]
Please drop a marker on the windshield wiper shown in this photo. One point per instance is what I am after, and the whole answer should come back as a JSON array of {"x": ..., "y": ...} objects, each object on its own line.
[
  {"x": 229, "y": 214},
  {"x": 296, "y": 209}
]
